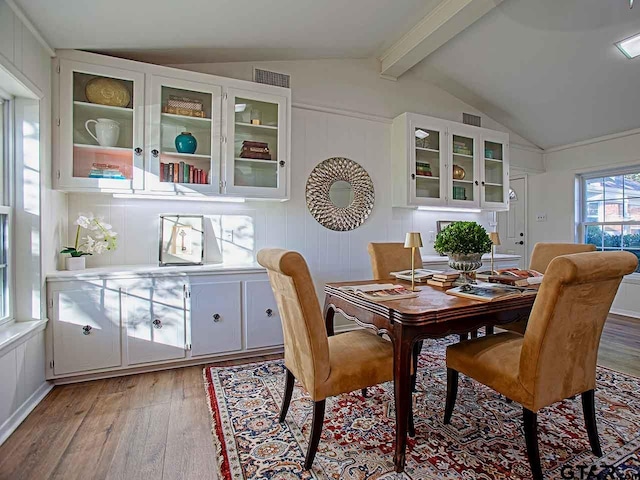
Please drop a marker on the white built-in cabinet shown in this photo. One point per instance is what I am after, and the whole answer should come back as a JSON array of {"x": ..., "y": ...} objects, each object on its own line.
[
  {"x": 139, "y": 322},
  {"x": 242, "y": 130},
  {"x": 439, "y": 163}
]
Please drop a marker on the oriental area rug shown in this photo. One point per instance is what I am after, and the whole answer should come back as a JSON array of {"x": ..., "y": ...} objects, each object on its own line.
[{"x": 484, "y": 441}]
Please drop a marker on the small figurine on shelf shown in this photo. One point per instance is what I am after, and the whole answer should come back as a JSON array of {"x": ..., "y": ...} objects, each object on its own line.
[{"x": 256, "y": 117}]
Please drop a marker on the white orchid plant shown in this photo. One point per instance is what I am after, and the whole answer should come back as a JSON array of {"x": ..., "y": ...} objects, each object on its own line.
[{"x": 100, "y": 238}]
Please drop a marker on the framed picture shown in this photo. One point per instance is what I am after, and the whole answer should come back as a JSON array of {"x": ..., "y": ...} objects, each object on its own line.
[
  {"x": 442, "y": 224},
  {"x": 181, "y": 240}
]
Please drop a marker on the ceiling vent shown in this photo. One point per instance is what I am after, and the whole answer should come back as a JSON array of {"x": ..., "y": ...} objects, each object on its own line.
[
  {"x": 469, "y": 119},
  {"x": 271, "y": 78}
]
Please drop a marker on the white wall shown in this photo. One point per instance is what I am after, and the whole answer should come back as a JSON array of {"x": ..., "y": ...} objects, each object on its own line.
[
  {"x": 23, "y": 58},
  {"x": 553, "y": 193}
]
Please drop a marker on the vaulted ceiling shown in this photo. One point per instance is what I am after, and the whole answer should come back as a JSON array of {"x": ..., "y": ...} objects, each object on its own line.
[{"x": 547, "y": 69}]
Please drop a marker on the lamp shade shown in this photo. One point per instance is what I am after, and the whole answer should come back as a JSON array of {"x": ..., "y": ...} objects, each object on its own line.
[
  {"x": 413, "y": 239},
  {"x": 495, "y": 238}
]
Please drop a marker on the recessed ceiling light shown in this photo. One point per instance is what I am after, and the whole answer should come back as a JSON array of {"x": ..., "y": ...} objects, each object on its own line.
[
  {"x": 630, "y": 46},
  {"x": 421, "y": 134}
]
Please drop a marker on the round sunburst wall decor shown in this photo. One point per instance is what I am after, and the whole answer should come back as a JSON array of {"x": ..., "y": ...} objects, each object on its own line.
[{"x": 323, "y": 209}]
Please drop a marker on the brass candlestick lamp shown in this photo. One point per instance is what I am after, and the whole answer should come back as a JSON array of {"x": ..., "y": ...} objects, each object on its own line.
[
  {"x": 495, "y": 241},
  {"x": 413, "y": 240}
]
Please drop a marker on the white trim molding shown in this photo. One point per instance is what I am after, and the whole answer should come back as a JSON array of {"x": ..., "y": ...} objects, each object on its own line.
[
  {"x": 27, "y": 23},
  {"x": 14, "y": 421}
]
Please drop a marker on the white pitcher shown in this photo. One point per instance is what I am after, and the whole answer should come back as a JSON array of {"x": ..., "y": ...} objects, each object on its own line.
[{"x": 107, "y": 131}]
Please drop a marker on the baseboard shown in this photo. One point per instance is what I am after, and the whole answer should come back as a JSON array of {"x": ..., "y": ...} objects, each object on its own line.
[
  {"x": 625, "y": 313},
  {"x": 14, "y": 421}
]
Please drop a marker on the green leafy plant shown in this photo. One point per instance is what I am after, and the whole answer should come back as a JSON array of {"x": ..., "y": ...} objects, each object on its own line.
[
  {"x": 463, "y": 237},
  {"x": 101, "y": 238}
]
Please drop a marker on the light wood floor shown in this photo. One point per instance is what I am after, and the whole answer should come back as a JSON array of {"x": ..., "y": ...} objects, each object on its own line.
[{"x": 156, "y": 425}]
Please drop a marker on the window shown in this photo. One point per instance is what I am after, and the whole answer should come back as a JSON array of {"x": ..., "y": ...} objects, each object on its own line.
[
  {"x": 5, "y": 214},
  {"x": 611, "y": 211}
]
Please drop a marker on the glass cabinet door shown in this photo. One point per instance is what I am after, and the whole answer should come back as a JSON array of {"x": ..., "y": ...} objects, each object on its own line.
[
  {"x": 428, "y": 167},
  {"x": 464, "y": 176},
  {"x": 183, "y": 145},
  {"x": 495, "y": 169},
  {"x": 101, "y": 122},
  {"x": 257, "y": 157}
]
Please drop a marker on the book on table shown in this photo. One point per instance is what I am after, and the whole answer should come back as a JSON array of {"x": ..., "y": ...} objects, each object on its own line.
[
  {"x": 446, "y": 276},
  {"x": 487, "y": 292},
  {"x": 421, "y": 275},
  {"x": 516, "y": 277},
  {"x": 380, "y": 291},
  {"x": 439, "y": 283}
]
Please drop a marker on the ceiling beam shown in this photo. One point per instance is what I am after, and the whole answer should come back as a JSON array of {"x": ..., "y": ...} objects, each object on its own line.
[{"x": 443, "y": 23}]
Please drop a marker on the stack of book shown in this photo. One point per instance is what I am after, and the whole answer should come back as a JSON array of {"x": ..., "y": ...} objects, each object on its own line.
[
  {"x": 105, "y": 170},
  {"x": 182, "y": 173},
  {"x": 443, "y": 279},
  {"x": 255, "y": 150}
]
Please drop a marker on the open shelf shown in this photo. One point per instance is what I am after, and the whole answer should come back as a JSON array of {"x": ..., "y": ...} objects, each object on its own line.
[
  {"x": 462, "y": 155},
  {"x": 251, "y": 125},
  {"x": 256, "y": 160},
  {"x": 493, "y": 160},
  {"x": 193, "y": 156},
  {"x": 487, "y": 184},
  {"x": 427, "y": 177},
  {"x": 427, "y": 150},
  {"x": 462, "y": 181},
  {"x": 106, "y": 108}
]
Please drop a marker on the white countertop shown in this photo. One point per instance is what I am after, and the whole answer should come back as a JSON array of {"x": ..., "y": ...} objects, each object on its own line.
[
  {"x": 485, "y": 257},
  {"x": 135, "y": 271}
]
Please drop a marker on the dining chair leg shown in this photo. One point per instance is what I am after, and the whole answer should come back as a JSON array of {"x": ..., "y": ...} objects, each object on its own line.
[
  {"x": 411, "y": 428},
  {"x": 316, "y": 430},
  {"x": 417, "y": 348},
  {"x": 463, "y": 336},
  {"x": 452, "y": 393},
  {"x": 530, "y": 421},
  {"x": 589, "y": 410},
  {"x": 286, "y": 399}
]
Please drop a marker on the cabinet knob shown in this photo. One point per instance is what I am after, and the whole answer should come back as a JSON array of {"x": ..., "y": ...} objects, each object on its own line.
[
  {"x": 138, "y": 151},
  {"x": 476, "y": 182},
  {"x": 216, "y": 317},
  {"x": 282, "y": 163},
  {"x": 86, "y": 330},
  {"x": 155, "y": 153},
  {"x": 520, "y": 243},
  {"x": 483, "y": 184},
  {"x": 413, "y": 176},
  {"x": 269, "y": 312},
  {"x": 157, "y": 323}
]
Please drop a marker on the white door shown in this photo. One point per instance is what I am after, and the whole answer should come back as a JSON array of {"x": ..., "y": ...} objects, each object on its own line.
[
  {"x": 263, "y": 323},
  {"x": 215, "y": 317},
  {"x": 155, "y": 317},
  {"x": 512, "y": 223},
  {"x": 257, "y": 156},
  {"x": 178, "y": 107},
  {"x": 86, "y": 329}
]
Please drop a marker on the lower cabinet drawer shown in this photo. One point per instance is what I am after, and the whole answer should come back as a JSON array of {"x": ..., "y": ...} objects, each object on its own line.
[
  {"x": 263, "y": 326},
  {"x": 215, "y": 318},
  {"x": 86, "y": 330}
]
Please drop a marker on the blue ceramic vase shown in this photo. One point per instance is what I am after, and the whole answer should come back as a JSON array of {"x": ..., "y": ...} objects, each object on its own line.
[{"x": 186, "y": 143}]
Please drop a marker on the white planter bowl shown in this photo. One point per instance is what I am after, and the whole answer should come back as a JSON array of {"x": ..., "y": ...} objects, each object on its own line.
[{"x": 75, "y": 263}]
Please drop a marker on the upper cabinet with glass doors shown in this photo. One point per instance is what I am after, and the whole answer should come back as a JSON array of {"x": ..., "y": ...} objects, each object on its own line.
[
  {"x": 440, "y": 163},
  {"x": 132, "y": 127},
  {"x": 257, "y": 144},
  {"x": 101, "y": 127}
]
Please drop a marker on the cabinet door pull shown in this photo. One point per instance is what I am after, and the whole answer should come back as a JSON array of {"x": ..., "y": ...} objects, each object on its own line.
[
  {"x": 413, "y": 176},
  {"x": 216, "y": 317},
  {"x": 476, "y": 182},
  {"x": 269, "y": 312},
  {"x": 483, "y": 184},
  {"x": 138, "y": 151},
  {"x": 86, "y": 330},
  {"x": 282, "y": 163},
  {"x": 157, "y": 323},
  {"x": 155, "y": 153}
]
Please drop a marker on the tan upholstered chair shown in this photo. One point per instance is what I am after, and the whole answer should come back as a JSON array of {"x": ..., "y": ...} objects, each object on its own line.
[
  {"x": 556, "y": 357},
  {"x": 391, "y": 257},
  {"x": 541, "y": 256},
  {"x": 325, "y": 366}
]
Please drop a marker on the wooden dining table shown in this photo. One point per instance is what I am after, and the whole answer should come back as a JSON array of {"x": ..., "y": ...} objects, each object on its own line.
[{"x": 432, "y": 314}]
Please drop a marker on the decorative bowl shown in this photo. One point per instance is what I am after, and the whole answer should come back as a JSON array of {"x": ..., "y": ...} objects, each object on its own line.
[
  {"x": 458, "y": 172},
  {"x": 107, "y": 91}
]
